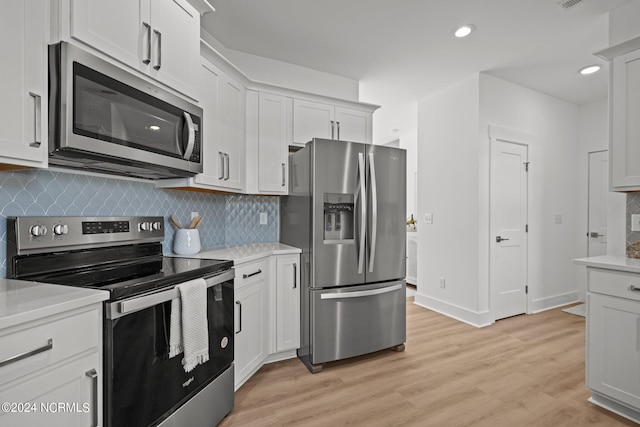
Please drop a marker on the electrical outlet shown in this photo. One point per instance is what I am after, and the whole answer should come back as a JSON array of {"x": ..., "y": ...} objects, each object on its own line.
[
  {"x": 635, "y": 222},
  {"x": 428, "y": 218},
  {"x": 442, "y": 282},
  {"x": 263, "y": 218}
]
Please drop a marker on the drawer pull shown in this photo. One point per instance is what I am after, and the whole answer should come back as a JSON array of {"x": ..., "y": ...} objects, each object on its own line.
[
  {"x": 634, "y": 288},
  {"x": 93, "y": 375},
  {"x": 245, "y": 276},
  {"x": 18, "y": 357}
]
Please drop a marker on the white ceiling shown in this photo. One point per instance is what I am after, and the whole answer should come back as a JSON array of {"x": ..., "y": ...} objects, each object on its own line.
[{"x": 403, "y": 50}]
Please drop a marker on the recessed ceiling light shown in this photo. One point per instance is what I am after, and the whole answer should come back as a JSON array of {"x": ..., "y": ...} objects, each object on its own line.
[
  {"x": 154, "y": 127},
  {"x": 590, "y": 69},
  {"x": 464, "y": 30}
]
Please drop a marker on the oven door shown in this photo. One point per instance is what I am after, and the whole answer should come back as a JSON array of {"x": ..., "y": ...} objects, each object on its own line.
[
  {"x": 103, "y": 112},
  {"x": 142, "y": 385}
]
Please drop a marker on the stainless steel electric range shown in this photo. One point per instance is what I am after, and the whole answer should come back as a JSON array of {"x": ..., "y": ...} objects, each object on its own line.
[{"x": 123, "y": 255}]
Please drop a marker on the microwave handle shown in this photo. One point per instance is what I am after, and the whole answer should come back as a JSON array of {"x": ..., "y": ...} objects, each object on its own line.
[{"x": 191, "y": 138}]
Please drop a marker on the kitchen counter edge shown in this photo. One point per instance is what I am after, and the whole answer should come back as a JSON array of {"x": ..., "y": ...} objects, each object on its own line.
[
  {"x": 24, "y": 301},
  {"x": 610, "y": 262},
  {"x": 247, "y": 253}
]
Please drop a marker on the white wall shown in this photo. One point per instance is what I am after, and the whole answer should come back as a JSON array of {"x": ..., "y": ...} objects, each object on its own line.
[
  {"x": 410, "y": 143},
  {"x": 448, "y": 183},
  {"x": 552, "y": 184},
  {"x": 278, "y": 73},
  {"x": 453, "y": 154}
]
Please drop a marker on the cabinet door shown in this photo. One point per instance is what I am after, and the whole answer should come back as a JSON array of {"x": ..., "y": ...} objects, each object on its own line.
[
  {"x": 23, "y": 110},
  {"x": 213, "y": 160},
  {"x": 287, "y": 303},
  {"x": 175, "y": 44},
  {"x": 625, "y": 126},
  {"x": 312, "y": 120},
  {"x": 118, "y": 28},
  {"x": 232, "y": 105},
  {"x": 353, "y": 125},
  {"x": 76, "y": 385},
  {"x": 250, "y": 330},
  {"x": 613, "y": 351},
  {"x": 274, "y": 137}
]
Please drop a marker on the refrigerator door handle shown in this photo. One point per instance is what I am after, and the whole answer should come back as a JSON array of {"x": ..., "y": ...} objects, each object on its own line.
[
  {"x": 359, "y": 294},
  {"x": 374, "y": 211},
  {"x": 363, "y": 211}
]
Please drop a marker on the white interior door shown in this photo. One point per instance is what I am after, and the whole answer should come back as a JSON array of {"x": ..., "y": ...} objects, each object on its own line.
[
  {"x": 508, "y": 272},
  {"x": 598, "y": 189}
]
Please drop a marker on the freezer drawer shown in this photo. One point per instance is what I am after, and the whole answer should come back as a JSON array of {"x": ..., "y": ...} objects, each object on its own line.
[{"x": 356, "y": 320}]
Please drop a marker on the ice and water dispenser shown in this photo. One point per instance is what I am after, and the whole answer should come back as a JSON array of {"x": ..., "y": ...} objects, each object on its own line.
[{"x": 338, "y": 218}]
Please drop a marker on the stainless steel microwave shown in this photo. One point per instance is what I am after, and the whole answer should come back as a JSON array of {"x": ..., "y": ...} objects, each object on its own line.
[{"x": 103, "y": 118}]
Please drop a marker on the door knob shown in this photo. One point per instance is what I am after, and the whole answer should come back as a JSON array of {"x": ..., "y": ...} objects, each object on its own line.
[
  {"x": 500, "y": 239},
  {"x": 595, "y": 235}
]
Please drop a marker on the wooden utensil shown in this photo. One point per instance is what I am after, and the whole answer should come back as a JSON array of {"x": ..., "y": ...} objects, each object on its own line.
[
  {"x": 173, "y": 220},
  {"x": 195, "y": 222}
]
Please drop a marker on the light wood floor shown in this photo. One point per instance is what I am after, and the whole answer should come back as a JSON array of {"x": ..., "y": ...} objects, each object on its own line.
[{"x": 521, "y": 371}]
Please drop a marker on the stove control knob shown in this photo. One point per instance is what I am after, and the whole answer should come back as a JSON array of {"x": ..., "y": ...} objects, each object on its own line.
[
  {"x": 60, "y": 229},
  {"x": 38, "y": 230},
  {"x": 157, "y": 226},
  {"x": 144, "y": 226}
]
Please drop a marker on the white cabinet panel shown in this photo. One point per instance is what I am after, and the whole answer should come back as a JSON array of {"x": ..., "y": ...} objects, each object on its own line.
[
  {"x": 23, "y": 110},
  {"x": 287, "y": 303},
  {"x": 232, "y": 111},
  {"x": 274, "y": 137},
  {"x": 353, "y": 125},
  {"x": 250, "y": 335},
  {"x": 311, "y": 120}
]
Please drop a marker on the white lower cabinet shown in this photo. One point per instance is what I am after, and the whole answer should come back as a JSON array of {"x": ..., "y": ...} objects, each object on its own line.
[
  {"x": 267, "y": 312},
  {"x": 51, "y": 370},
  {"x": 287, "y": 314},
  {"x": 613, "y": 334}
]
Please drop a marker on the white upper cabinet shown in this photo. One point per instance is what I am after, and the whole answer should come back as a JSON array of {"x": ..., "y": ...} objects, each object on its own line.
[
  {"x": 317, "y": 120},
  {"x": 23, "y": 110},
  {"x": 269, "y": 134},
  {"x": 158, "y": 37},
  {"x": 624, "y": 111},
  {"x": 232, "y": 104}
]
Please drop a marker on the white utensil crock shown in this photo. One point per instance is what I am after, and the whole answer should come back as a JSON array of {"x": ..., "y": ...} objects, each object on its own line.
[{"x": 186, "y": 241}]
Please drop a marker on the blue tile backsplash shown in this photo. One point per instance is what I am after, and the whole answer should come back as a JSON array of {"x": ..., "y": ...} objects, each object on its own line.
[{"x": 228, "y": 219}]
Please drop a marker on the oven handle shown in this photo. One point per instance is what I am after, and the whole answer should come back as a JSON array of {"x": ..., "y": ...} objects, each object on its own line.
[{"x": 150, "y": 300}]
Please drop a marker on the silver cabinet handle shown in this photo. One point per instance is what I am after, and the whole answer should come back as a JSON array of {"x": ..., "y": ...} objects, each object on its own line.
[
  {"x": 359, "y": 294},
  {"x": 283, "y": 175},
  {"x": 633, "y": 288},
  {"x": 147, "y": 59},
  {"x": 363, "y": 211},
  {"x": 295, "y": 275},
  {"x": 221, "y": 170},
  {"x": 500, "y": 239},
  {"x": 333, "y": 125},
  {"x": 226, "y": 177},
  {"x": 27, "y": 354},
  {"x": 93, "y": 374},
  {"x": 192, "y": 136},
  {"x": 159, "y": 57},
  {"x": 245, "y": 276},
  {"x": 239, "y": 304},
  {"x": 37, "y": 120},
  {"x": 338, "y": 125},
  {"x": 374, "y": 212}
]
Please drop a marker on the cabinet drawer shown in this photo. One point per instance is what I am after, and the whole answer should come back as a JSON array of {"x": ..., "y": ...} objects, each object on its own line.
[
  {"x": 247, "y": 274},
  {"x": 44, "y": 344},
  {"x": 614, "y": 283}
]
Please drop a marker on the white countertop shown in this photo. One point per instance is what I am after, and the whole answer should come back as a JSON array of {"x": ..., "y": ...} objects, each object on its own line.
[
  {"x": 620, "y": 263},
  {"x": 23, "y": 301},
  {"x": 246, "y": 253}
]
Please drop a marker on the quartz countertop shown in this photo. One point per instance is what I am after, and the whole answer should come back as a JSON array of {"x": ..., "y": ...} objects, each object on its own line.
[
  {"x": 620, "y": 263},
  {"x": 24, "y": 301},
  {"x": 247, "y": 253}
]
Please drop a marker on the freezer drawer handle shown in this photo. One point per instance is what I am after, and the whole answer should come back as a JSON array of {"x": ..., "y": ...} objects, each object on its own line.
[
  {"x": 245, "y": 276},
  {"x": 27, "y": 354},
  {"x": 358, "y": 294}
]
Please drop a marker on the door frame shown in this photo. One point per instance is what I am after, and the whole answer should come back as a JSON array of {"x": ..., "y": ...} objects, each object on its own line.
[
  {"x": 589, "y": 153},
  {"x": 524, "y": 139}
]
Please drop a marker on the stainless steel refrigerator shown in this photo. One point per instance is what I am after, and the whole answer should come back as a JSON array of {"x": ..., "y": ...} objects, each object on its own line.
[{"x": 346, "y": 210}]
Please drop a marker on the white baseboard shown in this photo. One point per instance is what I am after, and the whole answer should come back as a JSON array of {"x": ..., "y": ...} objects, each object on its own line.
[
  {"x": 473, "y": 318},
  {"x": 544, "y": 304}
]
